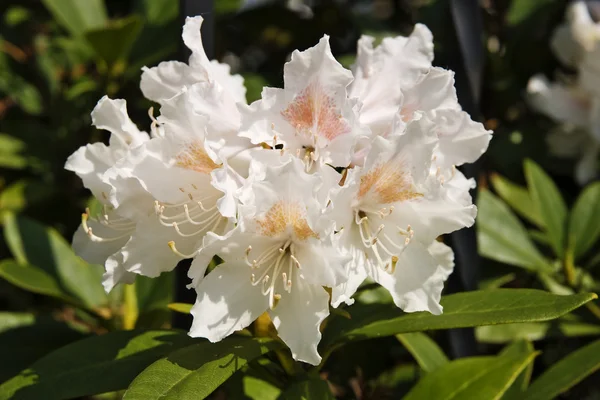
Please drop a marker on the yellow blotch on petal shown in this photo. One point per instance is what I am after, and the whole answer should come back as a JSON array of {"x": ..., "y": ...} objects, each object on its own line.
[
  {"x": 389, "y": 182},
  {"x": 195, "y": 158},
  {"x": 283, "y": 215},
  {"x": 314, "y": 112}
]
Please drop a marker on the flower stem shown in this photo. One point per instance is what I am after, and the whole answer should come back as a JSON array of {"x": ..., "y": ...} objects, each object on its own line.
[
  {"x": 569, "y": 266},
  {"x": 130, "y": 307}
]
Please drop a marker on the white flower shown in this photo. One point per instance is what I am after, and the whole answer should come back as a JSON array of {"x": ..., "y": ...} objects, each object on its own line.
[
  {"x": 99, "y": 237},
  {"x": 578, "y": 112},
  {"x": 312, "y": 116},
  {"x": 381, "y": 73},
  {"x": 396, "y": 78},
  {"x": 277, "y": 259},
  {"x": 164, "y": 81},
  {"x": 391, "y": 210},
  {"x": 186, "y": 172}
]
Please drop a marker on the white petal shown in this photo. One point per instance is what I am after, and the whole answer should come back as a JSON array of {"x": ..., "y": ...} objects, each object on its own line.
[
  {"x": 565, "y": 47},
  {"x": 298, "y": 318},
  {"x": 115, "y": 274},
  {"x": 561, "y": 103},
  {"x": 148, "y": 253},
  {"x": 89, "y": 163},
  {"x": 227, "y": 302},
  {"x": 321, "y": 262},
  {"x": 378, "y": 83},
  {"x": 434, "y": 214},
  {"x": 112, "y": 116},
  {"x": 418, "y": 280},
  {"x": 462, "y": 140},
  {"x": 588, "y": 166},
  {"x": 164, "y": 81},
  {"x": 356, "y": 272},
  {"x": 94, "y": 251}
]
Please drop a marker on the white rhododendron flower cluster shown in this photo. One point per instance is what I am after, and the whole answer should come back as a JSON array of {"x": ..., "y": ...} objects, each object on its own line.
[
  {"x": 338, "y": 176},
  {"x": 574, "y": 103}
]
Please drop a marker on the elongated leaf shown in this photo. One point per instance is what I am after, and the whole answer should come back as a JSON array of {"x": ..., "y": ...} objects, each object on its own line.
[
  {"x": 517, "y": 197},
  {"x": 310, "y": 389},
  {"x": 503, "y": 238},
  {"x": 34, "y": 244},
  {"x": 183, "y": 308},
  {"x": 566, "y": 373},
  {"x": 30, "y": 278},
  {"x": 157, "y": 12},
  {"x": 25, "y": 338},
  {"x": 196, "y": 371},
  {"x": 426, "y": 352},
  {"x": 10, "y": 146},
  {"x": 520, "y": 384},
  {"x": 584, "y": 226},
  {"x": 535, "y": 331},
  {"x": 461, "y": 310},
  {"x": 522, "y": 10},
  {"x": 257, "y": 389},
  {"x": 114, "y": 42},
  {"x": 78, "y": 16},
  {"x": 95, "y": 365},
  {"x": 548, "y": 200},
  {"x": 496, "y": 282},
  {"x": 472, "y": 378}
]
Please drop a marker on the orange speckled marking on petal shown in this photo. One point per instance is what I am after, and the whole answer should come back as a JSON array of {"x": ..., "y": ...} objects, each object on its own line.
[
  {"x": 314, "y": 112},
  {"x": 283, "y": 215},
  {"x": 389, "y": 182},
  {"x": 194, "y": 157}
]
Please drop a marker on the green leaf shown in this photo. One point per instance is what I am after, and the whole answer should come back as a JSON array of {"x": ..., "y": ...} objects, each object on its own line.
[
  {"x": 30, "y": 278},
  {"x": 426, "y": 352},
  {"x": 196, "y": 371},
  {"x": 520, "y": 384},
  {"x": 227, "y": 6},
  {"x": 517, "y": 197},
  {"x": 22, "y": 194},
  {"x": 25, "y": 338},
  {"x": 313, "y": 388},
  {"x": 502, "y": 237},
  {"x": 535, "y": 331},
  {"x": 183, "y": 308},
  {"x": 36, "y": 245},
  {"x": 522, "y": 10},
  {"x": 584, "y": 229},
  {"x": 461, "y": 310},
  {"x": 258, "y": 389},
  {"x": 472, "y": 378},
  {"x": 254, "y": 84},
  {"x": 10, "y": 147},
  {"x": 566, "y": 373},
  {"x": 157, "y": 12},
  {"x": 496, "y": 281},
  {"x": 114, "y": 42},
  {"x": 548, "y": 200},
  {"x": 91, "y": 366},
  {"x": 78, "y": 16}
]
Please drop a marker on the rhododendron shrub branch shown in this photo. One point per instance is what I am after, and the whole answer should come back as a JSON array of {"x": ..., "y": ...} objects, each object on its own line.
[{"x": 339, "y": 176}]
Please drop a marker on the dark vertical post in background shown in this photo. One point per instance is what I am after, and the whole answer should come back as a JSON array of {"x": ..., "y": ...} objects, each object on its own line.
[
  {"x": 468, "y": 25},
  {"x": 191, "y": 8}
]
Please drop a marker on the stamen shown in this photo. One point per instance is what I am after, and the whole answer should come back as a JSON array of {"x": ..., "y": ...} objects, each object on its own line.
[
  {"x": 248, "y": 250},
  {"x": 180, "y": 254},
  {"x": 98, "y": 239}
]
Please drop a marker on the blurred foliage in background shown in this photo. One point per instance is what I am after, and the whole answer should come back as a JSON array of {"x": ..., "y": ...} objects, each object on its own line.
[{"x": 59, "y": 57}]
